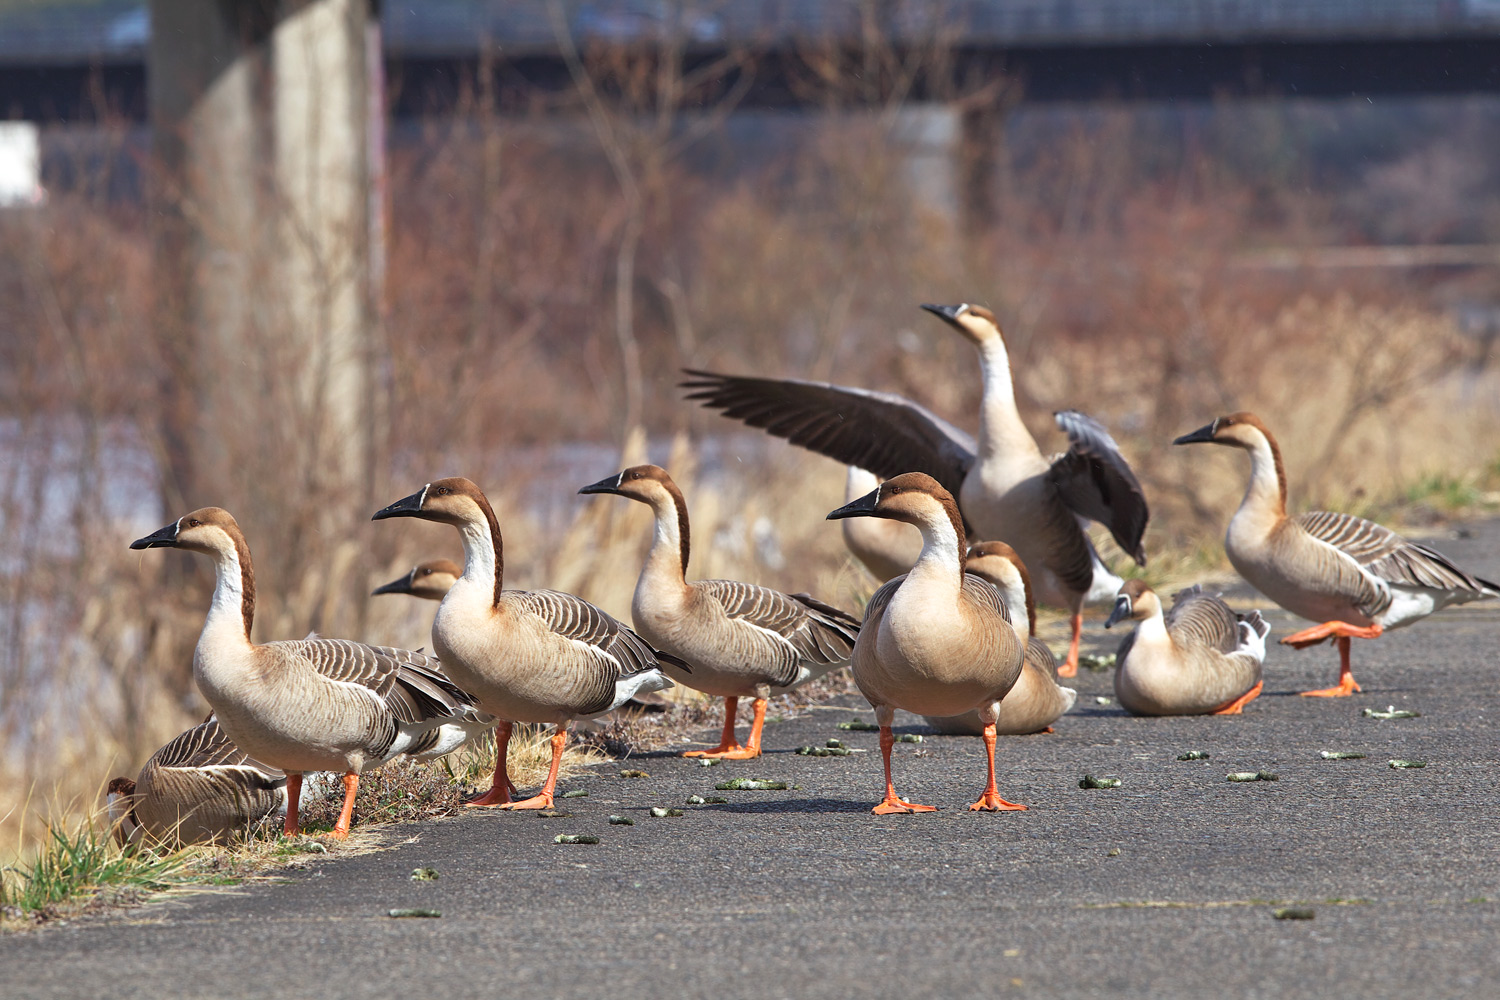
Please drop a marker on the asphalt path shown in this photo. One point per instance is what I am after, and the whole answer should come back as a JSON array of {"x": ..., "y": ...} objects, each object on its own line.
[{"x": 1162, "y": 887}]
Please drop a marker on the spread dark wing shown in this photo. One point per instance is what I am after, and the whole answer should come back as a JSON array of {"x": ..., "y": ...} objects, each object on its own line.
[
  {"x": 813, "y": 631},
  {"x": 1199, "y": 618},
  {"x": 576, "y": 619},
  {"x": 1095, "y": 481},
  {"x": 879, "y": 431},
  {"x": 206, "y": 745},
  {"x": 1387, "y": 556}
]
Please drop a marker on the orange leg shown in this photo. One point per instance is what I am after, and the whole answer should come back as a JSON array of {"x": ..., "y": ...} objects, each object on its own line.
[
  {"x": 500, "y": 787},
  {"x": 1069, "y": 667},
  {"x": 893, "y": 803},
  {"x": 293, "y": 796},
  {"x": 1343, "y": 631},
  {"x": 543, "y": 800},
  {"x": 1237, "y": 706},
  {"x": 991, "y": 801},
  {"x": 351, "y": 785},
  {"x": 1347, "y": 684},
  {"x": 751, "y": 749},
  {"x": 729, "y": 746}
]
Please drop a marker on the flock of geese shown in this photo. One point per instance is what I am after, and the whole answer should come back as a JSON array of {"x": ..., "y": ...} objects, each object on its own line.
[{"x": 968, "y": 535}]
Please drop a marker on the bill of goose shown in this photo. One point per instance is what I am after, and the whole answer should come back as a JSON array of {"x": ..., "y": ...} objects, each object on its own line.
[
  {"x": 1006, "y": 488},
  {"x": 741, "y": 640},
  {"x": 1200, "y": 658},
  {"x": 311, "y": 704},
  {"x": 430, "y": 580},
  {"x": 936, "y": 641},
  {"x": 528, "y": 656},
  {"x": 1356, "y": 578},
  {"x": 198, "y": 788},
  {"x": 886, "y": 548},
  {"x": 1037, "y": 700}
]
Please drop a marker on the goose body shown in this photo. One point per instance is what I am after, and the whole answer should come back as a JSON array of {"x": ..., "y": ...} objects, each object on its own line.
[
  {"x": 936, "y": 641},
  {"x": 1005, "y": 487},
  {"x": 526, "y": 656},
  {"x": 740, "y": 640},
  {"x": 1036, "y": 700},
  {"x": 198, "y": 788},
  {"x": 1199, "y": 658},
  {"x": 310, "y": 704},
  {"x": 1357, "y": 578}
]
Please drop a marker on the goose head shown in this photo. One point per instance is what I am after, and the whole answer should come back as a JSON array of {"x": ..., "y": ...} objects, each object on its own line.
[
  {"x": 455, "y": 501},
  {"x": 913, "y": 497},
  {"x": 1002, "y": 568},
  {"x": 976, "y": 323},
  {"x": 207, "y": 529},
  {"x": 430, "y": 580},
  {"x": 649, "y": 484},
  {"x": 1136, "y": 601},
  {"x": 1237, "y": 430}
]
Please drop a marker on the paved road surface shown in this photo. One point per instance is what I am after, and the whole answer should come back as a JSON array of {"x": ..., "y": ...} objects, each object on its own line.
[{"x": 805, "y": 894}]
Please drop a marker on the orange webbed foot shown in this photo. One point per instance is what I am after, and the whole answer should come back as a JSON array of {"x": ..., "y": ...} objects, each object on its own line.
[
  {"x": 493, "y": 797},
  {"x": 542, "y": 801},
  {"x": 892, "y": 805},
  {"x": 992, "y": 802},
  {"x": 1329, "y": 630},
  {"x": 1345, "y": 688},
  {"x": 723, "y": 750},
  {"x": 1237, "y": 706}
]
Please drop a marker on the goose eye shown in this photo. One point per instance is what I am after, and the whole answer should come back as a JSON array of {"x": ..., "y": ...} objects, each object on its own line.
[
  {"x": 442, "y": 491},
  {"x": 635, "y": 475},
  {"x": 195, "y": 523}
]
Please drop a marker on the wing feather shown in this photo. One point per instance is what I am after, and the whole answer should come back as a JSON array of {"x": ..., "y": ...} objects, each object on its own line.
[
  {"x": 1387, "y": 556},
  {"x": 1200, "y": 619},
  {"x": 1096, "y": 482}
]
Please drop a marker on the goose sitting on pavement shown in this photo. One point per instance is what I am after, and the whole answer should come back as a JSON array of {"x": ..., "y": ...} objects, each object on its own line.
[
  {"x": 528, "y": 656},
  {"x": 198, "y": 788},
  {"x": 1356, "y": 578},
  {"x": 311, "y": 704},
  {"x": 741, "y": 640},
  {"x": 1006, "y": 488},
  {"x": 935, "y": 641},
  {"x": 1037, "y": 700},
  {"x": 1200, "y": 658}
]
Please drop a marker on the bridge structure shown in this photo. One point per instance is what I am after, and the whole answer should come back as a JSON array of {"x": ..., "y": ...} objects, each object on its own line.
[{"x": 75, "y": 61}]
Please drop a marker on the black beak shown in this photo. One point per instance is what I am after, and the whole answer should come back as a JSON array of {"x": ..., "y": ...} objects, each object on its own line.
[
  {"x": 863, "y": 507},
  {"x": 1202, "y": 435},
  {"x": 609, "y": 484},
  {"x": 405, "y": 507},
  {"x": 1121, "y": 612},
  {"x": 948, "y": 314},
  {"x": 161, "y": 538},
  {"x": 400, "y": 585}
]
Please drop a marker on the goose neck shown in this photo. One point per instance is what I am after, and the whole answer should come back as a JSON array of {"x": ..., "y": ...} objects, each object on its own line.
[
  {"x": 484, "y": 562},
  {"x": 1266, "y": 493},
  {"x": 941, "y": 563},
  {"x": 666, "y": 563},
  {"x": 232, "y": 610},
  {"x": 1001, "y": 430}
]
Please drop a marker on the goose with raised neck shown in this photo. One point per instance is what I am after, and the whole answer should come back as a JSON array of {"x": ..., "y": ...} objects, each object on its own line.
[
  {"x": 1200, "y": 658},
  {"x": 528, "y": 656},
  {"x": 310, "y": 704},
  {"x": 1354, "y": 577},
  {"x": 936, "y": 641},
  {"x": 1037, "y": 700},
  {"x": 1005, "y": 487},
  {"x": 741, "y": 640}
]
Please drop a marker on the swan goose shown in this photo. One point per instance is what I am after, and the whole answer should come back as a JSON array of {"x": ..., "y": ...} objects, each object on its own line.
[
  {"x": 935, "y": 641},
  {"x": 1353, "y": 576},
  {"x": 311, "y": 704},
  {"x": 198, "y": 788},
  {"x": 886, "y": 548},
  {"x": 528, "y": 656},
  {"x": 1037, "y": 700},
  {"x": 741, "y": 640},
  {"x": 1200, "y": 658},
  {"x": 1006, "y": 488},
  {"x": 430, "y": 580}
]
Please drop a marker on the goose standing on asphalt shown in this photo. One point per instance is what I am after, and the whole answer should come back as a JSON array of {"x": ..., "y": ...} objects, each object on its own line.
[
  {"x": 310, "y": 704},
  {"x": 528, "y": 656},
  {"x": 1353, "y": 576},
  {"x": 1006, "y": 488},
  {"x": 1037, "y": 700},
  {"x": 935, "y": 641},
  {"x": 198, "y": 788},
  {"x": 1200, "y": 658},
  {"x": 741, "y": 640}
]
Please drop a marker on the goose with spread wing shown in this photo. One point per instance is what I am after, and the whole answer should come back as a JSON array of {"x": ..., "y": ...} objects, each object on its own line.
[
  {"x": 528, "y": 656},
  {"x": 1356, "y": 578},
  {"x": 310, "y": 704},
  {"x": 1005, "y": 487},
  {"x": 742, "y": 640}
]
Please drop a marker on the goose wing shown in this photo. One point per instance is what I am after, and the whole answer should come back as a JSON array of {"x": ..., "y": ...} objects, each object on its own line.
[
  {"x": 206, "y": 745},
  {"x": 1385, "y": 555},
  {"x": 411, "y": 684},
  {"x": 576, "y": 619},
  {"x": 879, "y": 431},
  {"x": 1201, "y": 619},
  {"x": 811, "y": 630},
  {"x": 1096, "y": 482}
]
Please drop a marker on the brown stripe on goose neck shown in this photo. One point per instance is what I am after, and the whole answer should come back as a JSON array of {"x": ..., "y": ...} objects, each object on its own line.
[
  {"x": 247, "y": 578},
  {"x": 495, "y": 540},
  {"x": 683, "y": 533},
  {"x": 950, "y": 506},
  {"x": 1245, "y": 417}
]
